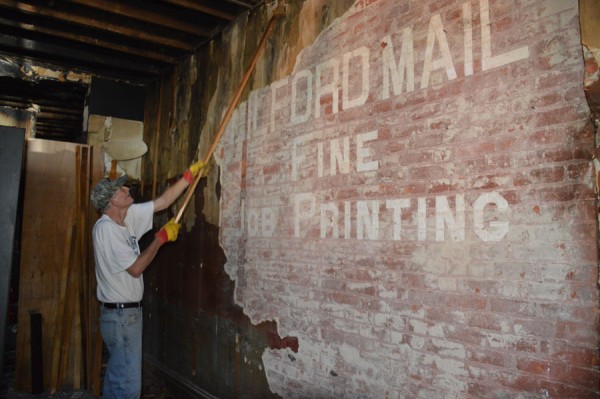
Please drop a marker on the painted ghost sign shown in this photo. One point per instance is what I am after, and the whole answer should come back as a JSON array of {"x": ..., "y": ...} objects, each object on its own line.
[
  {"x": 347, "y": 81},
  {"x": 404, "y": 198}
]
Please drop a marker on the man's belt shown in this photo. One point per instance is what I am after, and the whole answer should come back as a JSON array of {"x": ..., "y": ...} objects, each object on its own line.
[{"x": 126, "y": 305}]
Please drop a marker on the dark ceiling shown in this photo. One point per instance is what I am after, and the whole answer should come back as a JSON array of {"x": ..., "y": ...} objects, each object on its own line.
[{"x": 134, "y": 41}]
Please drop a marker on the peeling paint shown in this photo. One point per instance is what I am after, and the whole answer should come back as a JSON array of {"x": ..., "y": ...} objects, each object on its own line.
[{"x": 365, "y": 317}]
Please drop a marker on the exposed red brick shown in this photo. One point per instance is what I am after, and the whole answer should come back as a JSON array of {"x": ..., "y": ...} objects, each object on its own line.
[
  {"x": 591, "y": 66},
  {"x": 517, "y": 316}
]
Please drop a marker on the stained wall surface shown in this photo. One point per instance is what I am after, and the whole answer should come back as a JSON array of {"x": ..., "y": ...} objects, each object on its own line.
[{"x": 411, "y": 204}]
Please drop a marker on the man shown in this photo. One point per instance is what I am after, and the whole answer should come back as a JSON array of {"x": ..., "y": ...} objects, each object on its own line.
[{"x": 119, "y": 268}]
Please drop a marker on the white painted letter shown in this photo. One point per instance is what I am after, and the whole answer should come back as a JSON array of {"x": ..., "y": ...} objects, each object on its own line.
[
  {"x": 320, "y": 159},
  {"x": 422, "y": 219},
  {"x": 269, "y": 221},
  {"x": 436, "y": 30},
  {"x": 499, "y": 229},
  {"x": 370, "y": 222},
  {"x": 297, "y": 157},
  {"x": 303, "y": 212},
  {"x": 362, "y": 152},
  {"x": 274, "y": 103},
  {"x": 253, "y": 225},
  {"x": 295, "y": 117},
  {"x": 487, "y": 61},
  {"x": 331, "y": 87},
  {"x": 363, "y": 53},
  {"x": 397, "y": 206},
  {"x": 347, "y": 222},
  {"x": 255, "y": 105},
  {"x": 444, "y": 214},
  {"x": 468, "y": 29},
  {"x": 337, "y": 158},
  {"x": 329, "y": 221},
  {"x": 396, "y": 71}
]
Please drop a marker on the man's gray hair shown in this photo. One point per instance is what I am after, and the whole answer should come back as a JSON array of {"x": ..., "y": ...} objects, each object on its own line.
[{"x": 104, "y": 191}]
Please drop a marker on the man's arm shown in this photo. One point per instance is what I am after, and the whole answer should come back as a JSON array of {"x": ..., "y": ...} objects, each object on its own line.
[
  {"x": 144, "y": 259},
  {"x": 170, "y": 195},
  {"x": 169, "y": 232},
  {"x": 173, "y": 192}
]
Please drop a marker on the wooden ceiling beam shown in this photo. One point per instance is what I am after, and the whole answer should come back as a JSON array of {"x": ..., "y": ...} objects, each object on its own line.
[
  {"x": 60, "y": 123},
  {"x": 59, "y": 116},
  {"x": 125, "y": 9},
  {"x": 90, "y": 41},
  {"x": 56, "y": 133},
  {"x": 28, "y": 104},
  {"x": 96, "y": 24},
  {"x": 130, "y": 41},
  {"x": 84, "y": 60},
  {"x": 60, "y": 110},
  {"x": 32, "y": 96},
  {"x": 192, "y": 5},
  {"x": 57, "y": 126},
  {"x": 241, "y": 3}
]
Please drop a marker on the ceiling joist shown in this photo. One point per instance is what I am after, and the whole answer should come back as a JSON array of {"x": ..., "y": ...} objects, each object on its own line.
[{"x": 137, "y": 41}]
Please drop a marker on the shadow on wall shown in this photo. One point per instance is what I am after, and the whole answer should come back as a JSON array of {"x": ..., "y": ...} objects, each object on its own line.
[{"x": 193, "y": 328}]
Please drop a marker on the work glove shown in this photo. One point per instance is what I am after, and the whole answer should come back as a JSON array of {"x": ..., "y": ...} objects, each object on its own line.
[
  {"x": 169, "y": 231},
  {"x": 190, "y": 174}
]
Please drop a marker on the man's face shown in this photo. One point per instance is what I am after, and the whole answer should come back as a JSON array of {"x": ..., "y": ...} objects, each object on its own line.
[{"x": 121, "y": 198}]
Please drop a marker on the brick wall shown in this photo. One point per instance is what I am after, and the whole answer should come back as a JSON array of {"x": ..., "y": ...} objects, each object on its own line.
[{"x": 415, "y": 204}]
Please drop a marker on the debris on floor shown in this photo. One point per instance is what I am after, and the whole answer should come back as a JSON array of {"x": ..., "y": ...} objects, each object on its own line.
[{"x": 150, "y": 390}]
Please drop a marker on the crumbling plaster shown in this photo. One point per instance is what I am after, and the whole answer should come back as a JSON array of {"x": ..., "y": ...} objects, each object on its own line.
[
  {"x": 183, "y": 112},
  {"x": 414, "y": 340}
]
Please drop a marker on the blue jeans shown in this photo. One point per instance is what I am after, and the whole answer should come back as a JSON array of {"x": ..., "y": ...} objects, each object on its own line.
[{"x": 122, "y": 333}]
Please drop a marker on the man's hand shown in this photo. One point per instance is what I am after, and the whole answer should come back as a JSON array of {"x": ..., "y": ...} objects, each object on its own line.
[
  {"x": 193, "y": 171},
  {"x": 169, "y": 232}
]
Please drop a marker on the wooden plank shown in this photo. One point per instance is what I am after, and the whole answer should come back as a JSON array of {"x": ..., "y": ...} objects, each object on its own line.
[
  {"x": 77, "y": 349},
  {"x": 92, "y": 41},
  {"x": 65, "y": 343},
  {"x": 37, "y": 355},
  {"x": 57, "y": 53},
  {"x": 95, "y": 369},
  {"x": 76, "y": 270},
  {"x": 95, "y": 23},
  {"x": 127, "y": 10},
  {"x": 49, "y": 197},
  {"x": 59, "y": 320},
  {"x": 589, "y": 15},
  {"x": 90, "y": 215},
  {"x": 194, "y": 5},
  {"x": 84, "y": 231}
]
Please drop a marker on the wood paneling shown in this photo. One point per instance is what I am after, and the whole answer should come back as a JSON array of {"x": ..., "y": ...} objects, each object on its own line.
[
  {"x": 56, "y": 270},
  {"x": 589, "y": 14}
]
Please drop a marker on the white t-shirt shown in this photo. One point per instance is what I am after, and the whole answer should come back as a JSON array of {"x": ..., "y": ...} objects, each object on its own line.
[{"x": 116, "y": 249}]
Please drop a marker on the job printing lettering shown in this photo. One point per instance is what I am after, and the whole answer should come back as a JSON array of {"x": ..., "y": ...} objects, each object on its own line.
[{"x": 306, "y": 87}]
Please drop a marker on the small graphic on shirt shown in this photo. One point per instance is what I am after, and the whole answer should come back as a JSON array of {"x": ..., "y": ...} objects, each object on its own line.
[{"x": 134, "y": 245}]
